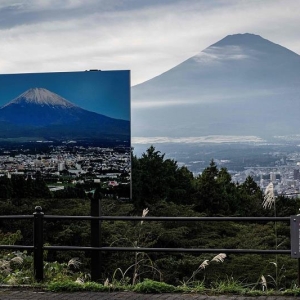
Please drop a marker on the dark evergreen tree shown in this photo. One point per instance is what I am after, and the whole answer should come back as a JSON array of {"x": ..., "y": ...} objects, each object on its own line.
[
  {"x": 250, "y": 199},
  {"x": 155, "y": 178},
  {"x": 19, "y": 188},
  {"x": 216, "y": 194},
  {"x": 6, "y": 189},
  {"x": 30, "y": 187},
  {"x": 41, "y": 189},
  {"x": 208, "y": 198}
]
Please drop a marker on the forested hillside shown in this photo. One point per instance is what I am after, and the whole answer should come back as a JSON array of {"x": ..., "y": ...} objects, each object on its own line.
[{"x": 161, "y": 188}]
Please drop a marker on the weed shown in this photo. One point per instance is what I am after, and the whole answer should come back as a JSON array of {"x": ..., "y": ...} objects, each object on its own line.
[
  {"x": 71, "y": 286},
  {"x": 95, "y": 287},
  {"x": 66, "y": 286},
  {"x": 151, "y": 286},
  {"x": 228, "y": 286},
  {"x": 142, "y": 262},
  {"x": 218, "y": 258},
  {"x": 291, "y": 292},
  {"x": 55, "y": 271},
  {"x": 15, "y": 268},
  {"x": 268, "y": 202}
]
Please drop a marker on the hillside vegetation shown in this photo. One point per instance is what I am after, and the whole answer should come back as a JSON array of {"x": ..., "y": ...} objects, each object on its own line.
[{"x": 162, "y": 188}]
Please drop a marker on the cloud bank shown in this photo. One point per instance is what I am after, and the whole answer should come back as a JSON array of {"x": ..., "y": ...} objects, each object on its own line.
[{"x": 148, "y": 37}]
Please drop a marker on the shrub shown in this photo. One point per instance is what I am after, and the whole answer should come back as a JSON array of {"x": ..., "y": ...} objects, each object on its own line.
[{"x": 151, "y": 286}]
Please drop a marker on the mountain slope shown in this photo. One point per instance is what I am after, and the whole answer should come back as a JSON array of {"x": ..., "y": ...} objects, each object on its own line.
[
  {"x": 41, "y": 113},
  {"x": 240, "y": 85}
]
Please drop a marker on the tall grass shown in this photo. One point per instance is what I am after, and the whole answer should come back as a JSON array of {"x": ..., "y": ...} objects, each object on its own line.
[
  {"x": 269, "y": 202},
  {"x": 192, "y": 280}
]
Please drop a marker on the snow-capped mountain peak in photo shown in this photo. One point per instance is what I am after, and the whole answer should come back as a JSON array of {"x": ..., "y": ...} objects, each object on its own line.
[
  {"x": 41, "y": 96},
  {"x": 41, "y": 113}
]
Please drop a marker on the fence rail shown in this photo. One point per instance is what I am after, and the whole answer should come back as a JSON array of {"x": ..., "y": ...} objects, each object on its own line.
[{"x": 38, "y": 247}]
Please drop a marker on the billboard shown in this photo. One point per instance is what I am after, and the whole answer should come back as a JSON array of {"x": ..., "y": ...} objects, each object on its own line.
[{"x": 71, "y": 123}]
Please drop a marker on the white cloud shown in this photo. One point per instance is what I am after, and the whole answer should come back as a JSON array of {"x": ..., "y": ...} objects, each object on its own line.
[
  {"x": 215, "y": 54},
  {"x": 204, "y": 97},
  {"x": 145, "y": 36},
  {"x": 161, "y": 103},
  {"x": 197, "y": 140}
]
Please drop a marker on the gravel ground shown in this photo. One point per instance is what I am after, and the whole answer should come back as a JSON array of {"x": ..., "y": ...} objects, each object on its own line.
[{"x": 6, "y": 294}]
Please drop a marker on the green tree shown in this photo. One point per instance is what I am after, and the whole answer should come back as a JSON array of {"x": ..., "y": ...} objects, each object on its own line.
[
  {"x": 29, "y": 190},
  {"x": 182, "y": 189},
  {"x": 156, "y": 178},
  {"x": 216, "y": 194},
  {"x": 41, "y": 189},
  {"x": 6, "y": 189},
  {"x": 250, "y": 199},
  {"x": 208, "y": 196},
  {"x": 19, "y": 186}
]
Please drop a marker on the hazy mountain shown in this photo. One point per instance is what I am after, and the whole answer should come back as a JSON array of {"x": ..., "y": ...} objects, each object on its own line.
[
  {"x": 41, "y": 113},
  {"x": 241, "y": 85}
]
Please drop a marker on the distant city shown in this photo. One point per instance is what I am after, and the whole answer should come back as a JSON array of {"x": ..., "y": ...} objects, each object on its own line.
[
  {"x": 68, "y": 164},
  {"x": 278, "y": 163},
  {"x": 285, "y": 175}
]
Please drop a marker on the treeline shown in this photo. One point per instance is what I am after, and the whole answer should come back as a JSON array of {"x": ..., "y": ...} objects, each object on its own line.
[
  {"x": 212, "y": 193},
  {"x": 166, "y": 189},
  {"x": 20, "y": 187},
  {"x": 28, "y": 187}
]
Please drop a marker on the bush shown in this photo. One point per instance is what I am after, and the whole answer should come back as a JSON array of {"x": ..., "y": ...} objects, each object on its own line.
[
  {"x": 65, "y": 286},
  {"x": 151, "y": 286}
]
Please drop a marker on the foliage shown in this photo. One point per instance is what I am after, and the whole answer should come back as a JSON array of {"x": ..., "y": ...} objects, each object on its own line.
[
  {"x": 16, "y": 268},
  {"x": 218, "y": 258},
  {"x": 156, "y": 178},
  {"x": 151, "y": 286},
  {"x": 217, "y": 195},
  {"x": 72, "y": 286},
  {"x": 139, "y": 263},
  {"x": 10, "y": 238},
  {"x": 228, "y": 286},
  {"x": 292, "y": 292},
  {"x": 166, "y": 189}
]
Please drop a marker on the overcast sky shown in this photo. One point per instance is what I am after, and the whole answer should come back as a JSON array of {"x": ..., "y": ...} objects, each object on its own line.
[{"x": 147, "y": 37}]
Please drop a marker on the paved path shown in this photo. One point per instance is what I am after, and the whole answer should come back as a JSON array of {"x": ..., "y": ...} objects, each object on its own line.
[{"x": 37, "y": 295}]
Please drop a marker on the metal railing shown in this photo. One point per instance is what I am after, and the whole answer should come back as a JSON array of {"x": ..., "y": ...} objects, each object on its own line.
[{"x": 38, "y": 246}]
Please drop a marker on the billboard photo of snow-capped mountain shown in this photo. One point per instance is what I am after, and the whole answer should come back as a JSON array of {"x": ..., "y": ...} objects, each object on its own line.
[
  {"x": 69, "y": 128},
  {"x": 63, "y": 106}
]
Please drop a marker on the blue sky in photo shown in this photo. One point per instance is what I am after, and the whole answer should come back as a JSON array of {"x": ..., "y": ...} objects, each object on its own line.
[{"x": 103, "y": 92}]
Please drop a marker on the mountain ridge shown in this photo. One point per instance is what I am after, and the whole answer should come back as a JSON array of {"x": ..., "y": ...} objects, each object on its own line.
[{"x": 230, "y": 40}]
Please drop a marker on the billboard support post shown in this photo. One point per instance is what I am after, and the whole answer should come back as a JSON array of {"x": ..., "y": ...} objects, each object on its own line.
[
  {"x": 95, "y": 238},
  {"x": 38, "y": 244}
]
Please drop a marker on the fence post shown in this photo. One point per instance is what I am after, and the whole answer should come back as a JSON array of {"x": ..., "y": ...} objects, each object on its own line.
[
  {"x": 38, "y": 242},
  {"x": 95, "y": 237}
]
